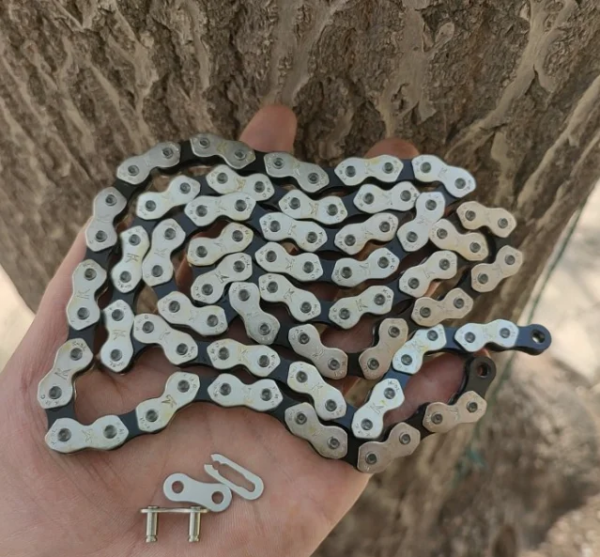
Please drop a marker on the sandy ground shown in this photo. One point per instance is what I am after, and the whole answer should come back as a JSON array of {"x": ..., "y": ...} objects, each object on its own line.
[{"x": 570, "y": 302}]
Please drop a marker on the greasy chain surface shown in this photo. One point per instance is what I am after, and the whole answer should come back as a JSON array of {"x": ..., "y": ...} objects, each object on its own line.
[{"x": 286, "y": 225}]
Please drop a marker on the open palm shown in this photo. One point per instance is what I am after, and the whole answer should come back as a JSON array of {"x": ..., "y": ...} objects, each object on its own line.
[{"x": 88, "y": 503}]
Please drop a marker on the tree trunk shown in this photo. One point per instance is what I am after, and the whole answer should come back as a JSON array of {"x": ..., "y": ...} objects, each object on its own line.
[{"x": 510, "y": 90}]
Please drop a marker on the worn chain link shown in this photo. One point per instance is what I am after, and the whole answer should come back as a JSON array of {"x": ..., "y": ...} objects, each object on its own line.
[{"x": 288, "y": 225}]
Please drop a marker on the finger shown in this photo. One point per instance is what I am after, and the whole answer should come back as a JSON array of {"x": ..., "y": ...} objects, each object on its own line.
[
  {"x": 393, "y": 146},
  {"x": 59, "y": 288},
  {"x": 438, "y": 380},
  {"x": 35, "y": 354},
  {"x": 272, "y": 128}
]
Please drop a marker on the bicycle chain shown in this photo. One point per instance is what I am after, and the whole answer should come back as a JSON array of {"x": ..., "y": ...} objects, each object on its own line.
[{"x": 406, "y": 205}]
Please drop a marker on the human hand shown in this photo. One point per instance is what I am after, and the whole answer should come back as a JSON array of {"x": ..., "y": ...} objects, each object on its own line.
[{"x": 88, "y": 503}]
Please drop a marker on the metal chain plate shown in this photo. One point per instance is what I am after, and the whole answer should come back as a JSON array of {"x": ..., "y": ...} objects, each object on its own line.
[{"x": 258, "y": 231}]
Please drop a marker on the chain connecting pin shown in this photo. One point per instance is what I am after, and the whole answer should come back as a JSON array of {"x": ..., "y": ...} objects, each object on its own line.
[
  {"x": 151, "y": 523},
  {"x": 195, "y": 516},
  {"x": 194, "y": 524}
]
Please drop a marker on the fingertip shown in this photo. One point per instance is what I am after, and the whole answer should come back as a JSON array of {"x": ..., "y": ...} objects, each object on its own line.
[
  {"x": 38, "y": 347},
  {"x": 393, "y": 146},
  {"x": 58, "y": 291},
  {"x": 279, "y": 111},
  {"x": 273, "y": 128}
]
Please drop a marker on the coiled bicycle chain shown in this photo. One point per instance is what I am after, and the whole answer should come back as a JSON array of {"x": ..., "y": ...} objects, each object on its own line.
[{"x": 405, "y": 206}]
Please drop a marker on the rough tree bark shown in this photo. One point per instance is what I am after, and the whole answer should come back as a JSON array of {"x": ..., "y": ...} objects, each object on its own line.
[{"x": 510, "y": 90}]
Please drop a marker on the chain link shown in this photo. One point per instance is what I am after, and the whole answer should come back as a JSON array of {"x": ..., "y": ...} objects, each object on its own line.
[
  {"x": 154, "y": 205},
  {"x": 82, "y": 308},
  {"x": 352, "y": 226},
  {"x": 207, "y": 251},
  {"x": 127, "y": 273},
  {"x": 155, "y": 413},
  {"x": 224, "y": 180},
  {"x": 117, "y": 351},
  {"x": 306, "y": 342},
  {"x": 100, "y": 233}
]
